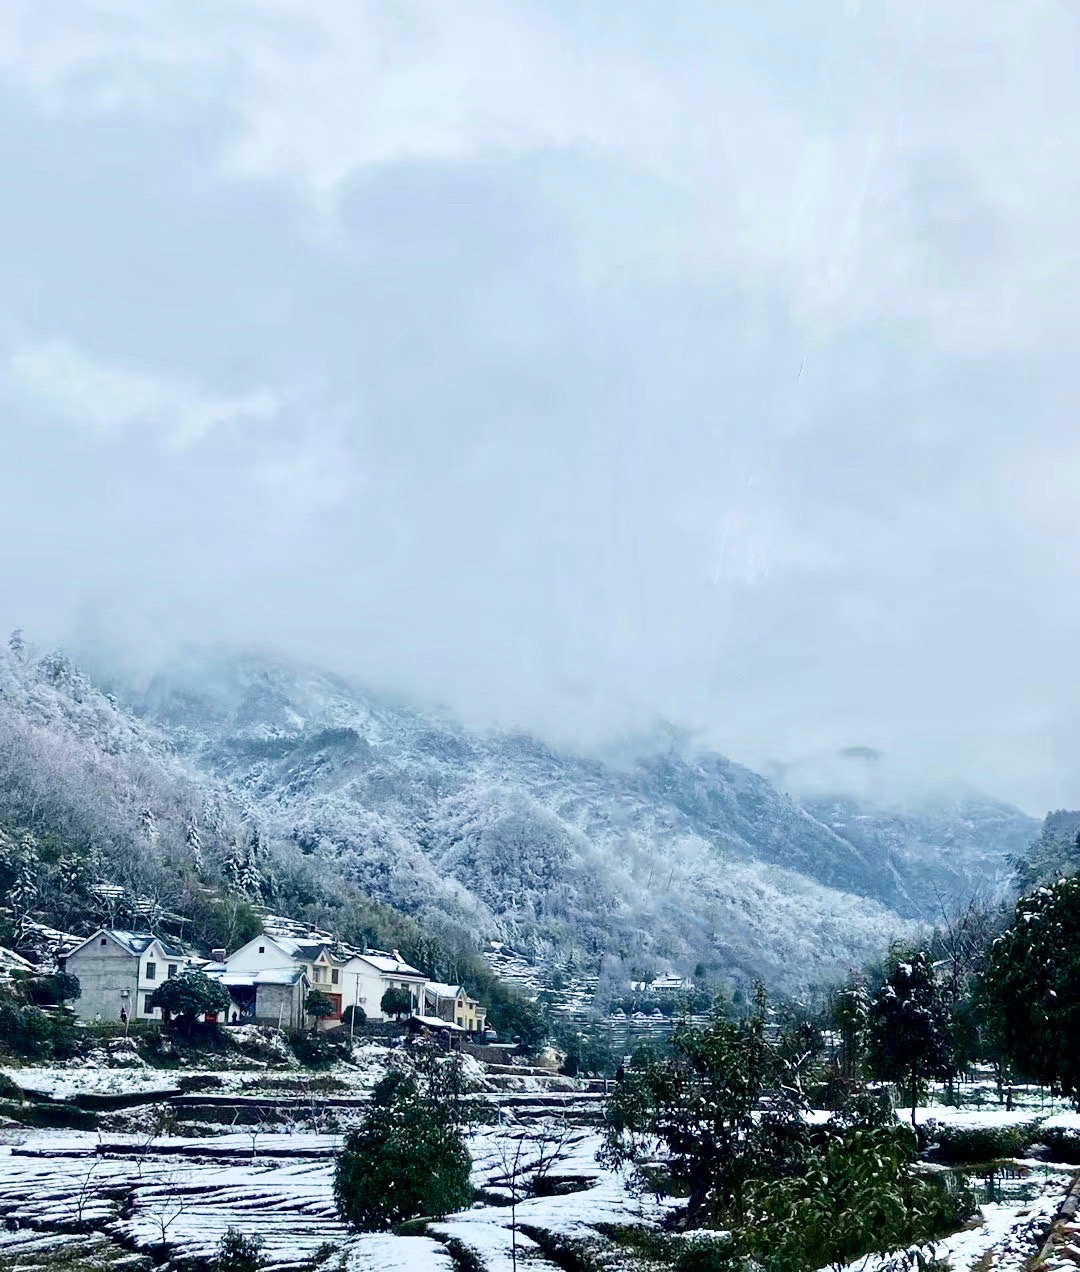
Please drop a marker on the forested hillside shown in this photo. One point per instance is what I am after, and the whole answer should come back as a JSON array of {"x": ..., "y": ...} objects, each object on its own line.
[{"x": 233, "y": 780}]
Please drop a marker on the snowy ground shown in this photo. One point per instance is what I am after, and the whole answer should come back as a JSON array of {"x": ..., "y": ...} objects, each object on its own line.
[{"x": 138, "y": 1192}]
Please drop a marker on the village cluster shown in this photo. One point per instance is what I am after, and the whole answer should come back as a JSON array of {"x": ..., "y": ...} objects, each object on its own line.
[{"x": 269, "y": 980}]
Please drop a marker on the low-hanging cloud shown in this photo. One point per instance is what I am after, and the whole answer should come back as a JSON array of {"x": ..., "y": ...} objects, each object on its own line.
[{"x": 577, "y": 366}]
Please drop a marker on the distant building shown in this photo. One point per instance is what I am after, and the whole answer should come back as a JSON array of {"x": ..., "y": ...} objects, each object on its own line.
[
  {"x": 452, "y": 1003},
  {"x": 347, "y": 976},
  {"x": 118, "y": 971},
  {"x": 669, "y": 983},
  {"x": 274, "y": 996}
]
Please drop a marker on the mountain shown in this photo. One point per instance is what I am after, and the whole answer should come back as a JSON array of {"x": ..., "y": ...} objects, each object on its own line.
[
  {"x": 301, "y": 790},
  {"x": 669, "y": 859},
  {"x": 939, "y": 849}
]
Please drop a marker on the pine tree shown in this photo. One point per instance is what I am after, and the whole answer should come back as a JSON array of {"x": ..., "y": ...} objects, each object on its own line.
[
  {"x": 17, "y": 645},
  {"x": 193, "y": 839}
]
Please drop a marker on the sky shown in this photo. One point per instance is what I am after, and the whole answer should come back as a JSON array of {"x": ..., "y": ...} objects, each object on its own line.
[{"x": 579, "y": 366}]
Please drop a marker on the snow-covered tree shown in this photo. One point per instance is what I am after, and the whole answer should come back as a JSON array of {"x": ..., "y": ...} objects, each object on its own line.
[{"x": 910, "y": 1036}]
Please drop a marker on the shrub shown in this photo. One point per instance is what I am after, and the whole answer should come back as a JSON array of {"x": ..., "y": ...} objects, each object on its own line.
[
  {"x": 237, "y": 1252},
  {"x": 26, "y": 1032},
  {"x": 191, "y": 1082},
  {"x": 10, "y": 1090},
  {"x": 856, "y": 1195},
  {"x": 972, "y": 1145},
  {"x": 407, "y": 1158},
  {"x": 1062, "y": 1144},
  {"x": 354, "y": 1017},
  {"x": 704, "y": 1252},
  {"x": 317, "y": 1051},
  {"x": 68, "y": 1116}
]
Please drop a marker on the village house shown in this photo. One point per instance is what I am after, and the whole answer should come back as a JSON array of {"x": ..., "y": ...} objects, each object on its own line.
[
  {"x": 347, "y": 976},
  {"x": 271, "y": 996},
  {"x": 453, "y": 1004},
  {"x": 668, "y": 983},
  {"x": 118, "y": 971}
]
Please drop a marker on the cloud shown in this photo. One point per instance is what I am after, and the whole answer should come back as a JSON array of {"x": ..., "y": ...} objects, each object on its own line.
[
  {"x": 577, "y": 365},
  {"x": 110, "y": 400}
]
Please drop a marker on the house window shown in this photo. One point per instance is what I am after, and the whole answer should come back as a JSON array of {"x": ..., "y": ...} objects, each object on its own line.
[
  {"x": 147, "y": 1009},
  {"x": 172, "y": 970},
  {"x": 319, "y": 973},
  {"x": 104, "y": 940},
  {"x": 461, "y": 1023},
  {"x": 262, "y": 949},
  {"x": 334, "y": 977},
  {"x": 151, "y": 971}
]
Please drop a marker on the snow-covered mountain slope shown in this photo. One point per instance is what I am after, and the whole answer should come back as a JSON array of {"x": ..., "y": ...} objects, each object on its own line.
[{"x": 670, "y": 860}]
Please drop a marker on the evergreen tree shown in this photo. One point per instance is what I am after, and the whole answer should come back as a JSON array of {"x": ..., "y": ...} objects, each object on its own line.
[
  {"x": 190, "y": 995},
  {"x": 851, "y": 1019},
  {"x": 318, "y": 1006},
  {"x": 1031, "y": 988},
  {"x": 406, "y": 1158},
  {"x": 910, "y": 1034},
  {"x": 193, "y": 839},
  {"x": 396, "y": 1002},
  {"x": 721, "y": 1104}
]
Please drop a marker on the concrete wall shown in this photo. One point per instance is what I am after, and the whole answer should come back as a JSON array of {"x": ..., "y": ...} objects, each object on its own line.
[
  {"x": 103, "y": 972},
  {"x": 278, "y": 1005}
]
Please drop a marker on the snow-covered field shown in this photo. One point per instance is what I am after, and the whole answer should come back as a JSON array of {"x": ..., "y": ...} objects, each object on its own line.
[{"x": 129, "y": 1190}]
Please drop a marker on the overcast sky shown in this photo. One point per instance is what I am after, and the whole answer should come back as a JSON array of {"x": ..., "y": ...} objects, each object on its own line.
[{"x": 575, "y": 364}]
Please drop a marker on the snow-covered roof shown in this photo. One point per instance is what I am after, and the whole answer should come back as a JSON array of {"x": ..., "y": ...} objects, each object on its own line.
[
  {"x": 441, "y": 990},
  {"x": 436, "y": 1022},
  {"x": 134, "y": 942},
  {"x": 391, "y": 964},
  {"x": 267, "y": 976},
  {"x": 307, "y": 950},
  {"x": 12, "y": 962}
]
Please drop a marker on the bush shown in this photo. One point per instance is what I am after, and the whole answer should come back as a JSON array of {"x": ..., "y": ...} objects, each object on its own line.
[
  {"x": 318, "y": 1051},
  {"x": 238, "y": 1253},
  {"x": 68, "y": 1116},
  {"x": 703, "y": 1252},
  {"x": 856, "y": 1195},
  {"x": 974, "y": 1145},
  {"x": 1062, "y": 1144},
  {"x": 407, "y": 1158},
  {"x": 354, "y": 1017},
  {"x": 192, "y": 1082},
  {"x": 28, "y": 1032}
]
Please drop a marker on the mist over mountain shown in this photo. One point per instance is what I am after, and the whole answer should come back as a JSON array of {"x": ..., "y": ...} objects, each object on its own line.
[{"x": 668, "y": 856}]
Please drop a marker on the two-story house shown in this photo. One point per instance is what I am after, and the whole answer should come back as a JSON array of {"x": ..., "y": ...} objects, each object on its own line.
[
  {"x": 347, "y": 976},
  {"x": 118, "y": 971},
  {"x": 453, "y": 1004}
]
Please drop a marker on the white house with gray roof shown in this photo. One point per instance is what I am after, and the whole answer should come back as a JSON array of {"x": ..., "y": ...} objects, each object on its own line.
[
  {"x": 347, "y": 976},
  {"x": 119, "y": 970}
]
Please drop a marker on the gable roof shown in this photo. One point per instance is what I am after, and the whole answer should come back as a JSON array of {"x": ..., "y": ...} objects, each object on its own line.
[
  {"x": 136, "y": 943},
  {"x": 391, "y": 964},
  {"x": 441, "y": 990}
]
